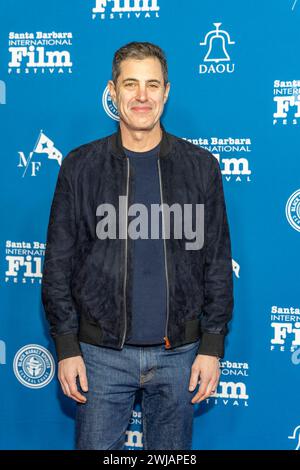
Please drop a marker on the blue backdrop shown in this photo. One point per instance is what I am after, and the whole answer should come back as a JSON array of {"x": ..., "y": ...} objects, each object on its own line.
[{"x": 235, "y": 89}]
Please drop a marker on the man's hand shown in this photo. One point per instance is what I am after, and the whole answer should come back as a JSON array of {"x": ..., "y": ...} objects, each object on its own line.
[
  {"x": 68, "y": 369},
  {"x": 207, "y": 369}
]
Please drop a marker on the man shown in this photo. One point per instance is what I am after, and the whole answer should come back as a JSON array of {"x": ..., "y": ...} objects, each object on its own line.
[{"x": 128, "y": 311}]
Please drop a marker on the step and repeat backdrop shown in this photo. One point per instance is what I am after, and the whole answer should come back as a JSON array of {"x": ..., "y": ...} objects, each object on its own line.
[{"x": 235, "y": 90}]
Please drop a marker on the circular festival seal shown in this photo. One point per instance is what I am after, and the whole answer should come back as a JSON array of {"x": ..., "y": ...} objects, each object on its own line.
[
  {"x": 109, "y": 106},
  {"x": 292, "y": 210},
  {"x": 34, "y": 366}
]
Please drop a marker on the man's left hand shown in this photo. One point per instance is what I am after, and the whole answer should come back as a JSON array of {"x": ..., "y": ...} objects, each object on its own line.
[{"x": 206, "y": 369}]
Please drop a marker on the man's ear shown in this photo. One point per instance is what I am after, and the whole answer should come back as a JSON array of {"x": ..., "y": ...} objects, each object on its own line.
[
  {"x": 112, "y": 90},
  {"x": 167, "y": 91}
]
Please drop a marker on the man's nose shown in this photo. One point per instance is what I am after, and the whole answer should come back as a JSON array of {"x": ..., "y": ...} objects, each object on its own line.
[{"x": 141, "y": 93}]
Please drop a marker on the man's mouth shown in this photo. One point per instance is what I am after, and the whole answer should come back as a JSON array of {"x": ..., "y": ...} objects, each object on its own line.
[{"x": 141, "y": 109}]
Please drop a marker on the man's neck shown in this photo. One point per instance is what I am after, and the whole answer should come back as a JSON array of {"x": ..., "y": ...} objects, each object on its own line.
[{"x": 140, "y": 140}]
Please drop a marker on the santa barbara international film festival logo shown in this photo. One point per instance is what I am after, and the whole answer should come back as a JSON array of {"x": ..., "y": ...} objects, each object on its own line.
[
  {"x": 285, "y": 326},
  {"x": 24, "y": 262},
  {"x": 134, "y": 434},
  {"x": 287, "y": 102},
  {"x": 43, "y": 146},
  {"x": 125, "y": 9},
  {"x": 217, "y": 44},
  {"x": 292, "y": 210},
  {"x": 40, "y": 52},
  {"x": 232, "y": 386},
  {"x": 232, "y": 155},
  {"x": 34, "y": 366}
]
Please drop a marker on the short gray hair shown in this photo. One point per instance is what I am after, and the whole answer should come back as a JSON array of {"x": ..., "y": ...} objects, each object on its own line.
[{"x": 138, "y": 50}]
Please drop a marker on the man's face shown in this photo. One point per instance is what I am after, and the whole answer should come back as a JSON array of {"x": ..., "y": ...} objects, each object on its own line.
[{"x": 140, "y": 94}]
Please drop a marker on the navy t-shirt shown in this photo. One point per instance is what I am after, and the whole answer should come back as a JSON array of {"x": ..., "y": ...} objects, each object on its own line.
[{"x": 149, "y": 277}]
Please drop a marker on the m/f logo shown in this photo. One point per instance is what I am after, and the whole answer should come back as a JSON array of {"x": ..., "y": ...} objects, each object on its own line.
[
  {"x": 217, "y": 57},
  {"x": 2, "y": 352},
  {"x": 287, "y": 102},
  {"x": 125, "y": 9},
  {"x": 43, "y": 145}
]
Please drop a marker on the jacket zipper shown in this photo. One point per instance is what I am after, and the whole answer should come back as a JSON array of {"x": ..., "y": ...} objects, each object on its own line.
[
  {"x": 126, "y": 243},
  {"x": 167, "y": 341}
]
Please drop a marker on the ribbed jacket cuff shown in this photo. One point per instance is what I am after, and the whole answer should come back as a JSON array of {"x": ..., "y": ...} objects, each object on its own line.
[
  {"x": 67, "y": 346},
  {"x": 212, "y": 344}
]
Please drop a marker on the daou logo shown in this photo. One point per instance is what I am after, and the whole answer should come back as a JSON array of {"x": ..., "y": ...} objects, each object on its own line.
[{"x": 216, "y": 42}]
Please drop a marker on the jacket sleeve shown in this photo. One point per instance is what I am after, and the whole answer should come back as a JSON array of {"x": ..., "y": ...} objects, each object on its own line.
[
  {"x": 57, "y": 268},
  {"x": 218, "y": 281}
]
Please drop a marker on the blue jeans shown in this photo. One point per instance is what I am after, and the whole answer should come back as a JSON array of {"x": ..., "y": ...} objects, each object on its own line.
[{"x": 115, "y": 376}]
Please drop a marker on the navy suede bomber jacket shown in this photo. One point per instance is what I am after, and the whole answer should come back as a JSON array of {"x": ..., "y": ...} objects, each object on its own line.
[{"x": 87, "y": 281}]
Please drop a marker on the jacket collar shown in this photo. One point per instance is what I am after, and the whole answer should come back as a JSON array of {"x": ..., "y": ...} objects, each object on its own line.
[{"x": 116, "y": 148}]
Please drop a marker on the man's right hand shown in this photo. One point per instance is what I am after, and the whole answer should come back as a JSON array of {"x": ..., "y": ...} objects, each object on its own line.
[{"x": 68, "y": 370}]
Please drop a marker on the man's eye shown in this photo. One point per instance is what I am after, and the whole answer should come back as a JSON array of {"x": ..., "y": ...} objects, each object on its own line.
[
  {"x": 129, "y": 84},
  {"x": 153, "y": 85}
]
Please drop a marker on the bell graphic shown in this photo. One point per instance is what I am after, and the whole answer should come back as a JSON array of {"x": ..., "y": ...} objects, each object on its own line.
[{"x": 217, "y": 45}]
